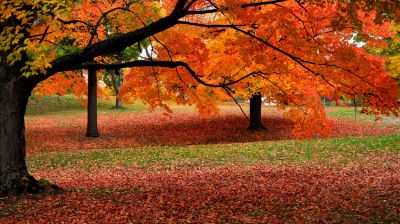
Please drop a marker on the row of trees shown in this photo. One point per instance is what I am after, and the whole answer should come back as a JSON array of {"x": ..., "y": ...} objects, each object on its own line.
[{"x": 292, "y": 51}]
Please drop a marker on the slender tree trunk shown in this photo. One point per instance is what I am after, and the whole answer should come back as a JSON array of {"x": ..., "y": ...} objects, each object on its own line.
[
  {"x": 92, "y": 128},
  {"x": 255, "y": 113},
  {"x": 117, "y": 79},
  {"x": 14, "y": 94},
  {"x": 118, "y": 104}
]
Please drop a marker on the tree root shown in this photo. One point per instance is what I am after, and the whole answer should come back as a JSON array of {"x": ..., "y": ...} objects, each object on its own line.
[{"x": 25, "y": 183}]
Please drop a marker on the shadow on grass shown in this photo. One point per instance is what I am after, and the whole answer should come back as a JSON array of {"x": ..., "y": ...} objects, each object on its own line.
[{"x": 54, "y": 133}]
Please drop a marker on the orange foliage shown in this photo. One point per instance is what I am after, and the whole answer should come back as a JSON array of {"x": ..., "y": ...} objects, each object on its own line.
[
  {"x": 67, "y": 83},
  {"x": 296, "y": 56},
  {"x": 296, "y": 51}
]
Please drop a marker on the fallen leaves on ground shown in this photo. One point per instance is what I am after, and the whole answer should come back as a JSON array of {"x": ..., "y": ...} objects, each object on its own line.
[
  {"x": 365, "y": 190},
  {"x": 60, "y": 132},
  {"x": 362, "y": 192}
]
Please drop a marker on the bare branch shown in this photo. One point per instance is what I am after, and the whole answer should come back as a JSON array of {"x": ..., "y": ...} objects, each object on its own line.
[
  {"x": 261, "y": 74},
  {"x": 102, "y": 17},
  {"x": 262, "y": 3},
  {"x": 75, "y": 21},
  {"x": 237, "y": 103},
  {"x": 46, "y": 31},
  {"x": 202, "y": 12},
  {"x": 210, "y": 25},
  {"x": 189, "y": 5}
]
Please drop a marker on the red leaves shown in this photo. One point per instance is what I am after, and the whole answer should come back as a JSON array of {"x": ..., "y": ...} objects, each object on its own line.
[
  {"x": 259, "y": 194},
  {"x": 366, "y": 190},
  {"x": 54, "y": 132}
]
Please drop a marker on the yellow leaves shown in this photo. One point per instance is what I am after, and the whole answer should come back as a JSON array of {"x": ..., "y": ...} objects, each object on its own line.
[
  {"x": 394, "y": 66},
  {"x": 7, "y": 12},
  {"x": 40, "y": 57},
  {"x": 151, "y": 10},
  {"x": 23, "y": 22},
  {"x": 15, "y": 56},
  {"x": 393, "y": 51}
]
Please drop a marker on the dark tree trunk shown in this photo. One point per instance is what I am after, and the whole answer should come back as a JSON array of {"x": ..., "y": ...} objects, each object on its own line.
[
  {"x": 14, "y": 94},
  {"x": 118, "y": 104},
  {"x": 92, "y": 128},
  {"x": 117, "y": 79},
  {"x": 255, "y": 113}
]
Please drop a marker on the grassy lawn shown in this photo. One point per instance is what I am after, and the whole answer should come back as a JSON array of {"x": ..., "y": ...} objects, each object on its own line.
[
  {"x": 69, "y": 104},
  {"x": 354, "y": 113},
  {"x": 343, "y": 151}
]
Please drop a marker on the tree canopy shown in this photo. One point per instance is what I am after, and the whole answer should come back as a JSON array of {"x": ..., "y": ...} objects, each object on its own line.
[{"x": 290, "y": 51}]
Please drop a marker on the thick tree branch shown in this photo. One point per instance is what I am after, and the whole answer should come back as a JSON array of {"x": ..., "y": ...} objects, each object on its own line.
[
  {"x": 163, "y": 64},
  {"x": 111, "y": 45},
  {"x": 118, "y": 42},
  {"x": 179, "y": 7}
]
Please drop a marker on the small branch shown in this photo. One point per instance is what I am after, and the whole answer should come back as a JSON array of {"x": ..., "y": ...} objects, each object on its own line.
[
  {"x": 202, "y": 12},
  {"x": 209, "y": 25},
  {"x": 301, "y": 5},
  {"x": 102, "y": 17},
  {"x": 74, "y": 22},
  {"x": 237, "y": 103},
  {"x": 189, "y": 5},
  {"x": 262, "y": 3},
  {"x": 298, "y": 60},
  {"x": 284, "y": 92}
]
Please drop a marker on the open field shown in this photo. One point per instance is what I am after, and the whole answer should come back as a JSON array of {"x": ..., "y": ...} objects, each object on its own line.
[{"x": 153, "y": 168}]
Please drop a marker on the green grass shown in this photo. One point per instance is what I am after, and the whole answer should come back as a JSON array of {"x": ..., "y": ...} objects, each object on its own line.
[
  {"x": 70, "y": 104},
  {"x": 344, "y": 112},
  {"x": 281, "y": 152},
  {"x": 171, "y": 157},
  {"x": 349, "y": 113},
  {"x": 40, "y": 105}
]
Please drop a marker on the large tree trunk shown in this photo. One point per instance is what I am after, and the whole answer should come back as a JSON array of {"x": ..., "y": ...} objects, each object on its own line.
[
  {"x": 14, "y": 94},
  {"x": 92, "y": 128},
  {"x": 255, "y": 113}
]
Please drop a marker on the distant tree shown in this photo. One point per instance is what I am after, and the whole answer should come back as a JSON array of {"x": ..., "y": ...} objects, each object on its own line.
[{"x": 392, "y": 52}]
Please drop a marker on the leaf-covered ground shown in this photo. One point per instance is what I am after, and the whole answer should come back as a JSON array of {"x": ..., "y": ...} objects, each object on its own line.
[
  {"x": 55, "y": 132},
  {"x": 149, "y": 168},
  {"x": 365, "y": 191}
]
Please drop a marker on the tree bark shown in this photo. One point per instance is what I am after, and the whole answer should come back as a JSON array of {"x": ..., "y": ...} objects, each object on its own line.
[
  {"x": 92, "y": 128},
  {"x": 255, "y": 113},
  {"x": 118, "y": 104},
  {"x": 14, "y": 94},
  {"x": 117, "y": 79}
]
